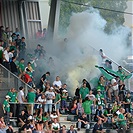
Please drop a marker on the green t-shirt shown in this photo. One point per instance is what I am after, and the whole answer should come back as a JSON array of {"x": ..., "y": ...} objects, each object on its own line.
[
  {"x": 87, "y": 106},
  {"x": 83, "y": 92},
  {"x": 64, "y": 98},
  {"x": 57, "y": 98},
  {"x": 31, "y": 97},
  {"x": 44, "y": 119},
  {"x": 21, "y": 66},
  {"x": 13, "y": 96},
  {"x": 122, "y": 120},
  {"x": 1, "y": 54},
  {"x": 6, "y": 106}
]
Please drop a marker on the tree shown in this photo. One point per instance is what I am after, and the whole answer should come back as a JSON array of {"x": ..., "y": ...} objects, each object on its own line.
[{"x": 109, "y": 15}]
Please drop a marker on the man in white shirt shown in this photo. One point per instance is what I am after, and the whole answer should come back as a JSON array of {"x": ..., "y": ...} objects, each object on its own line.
[
  {"x": 6, "y": 57},
  {"x": 57, "y": 83},
  {"x": 50, "y": 95},
  {"x": 115, "y": 88},
  {"x": 21, "y": 98}
]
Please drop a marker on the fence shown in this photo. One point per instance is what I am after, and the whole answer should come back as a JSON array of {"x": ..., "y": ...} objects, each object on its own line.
[{"x": 9, "y": 80}]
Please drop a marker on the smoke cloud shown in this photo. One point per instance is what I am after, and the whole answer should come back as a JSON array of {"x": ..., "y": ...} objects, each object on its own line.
[{"x": 76, "y": 58}]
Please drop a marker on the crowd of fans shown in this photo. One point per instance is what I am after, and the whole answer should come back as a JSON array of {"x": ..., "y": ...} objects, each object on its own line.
[{"x": 39, "y": 110}]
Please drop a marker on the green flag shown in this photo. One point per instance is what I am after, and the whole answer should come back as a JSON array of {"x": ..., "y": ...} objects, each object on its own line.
[{"x": 105, "y": 73}]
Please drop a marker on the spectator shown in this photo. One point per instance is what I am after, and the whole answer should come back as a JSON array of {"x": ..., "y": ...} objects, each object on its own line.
[
  {"x": 114, "y": 85},
  {"x": 13, "y": 66},
  {"x": 63, "y": 100},
  {"x": 44, "y": 80},
  {"x": 21, "y": 99},
  {"x": 87, "y": 108},
  {"x": 122, "y": 119},
  {"x": 103, "y": 56},
  {"x": 1, "y": 51},
  {"x": 55, "y": 126},
  {"x": 77, "y": 92},
  {"x": 99, "y": 115},
  {"x": 26, "y": 77},
  {"x": 50, "y": 96},
  {"x": 98, "y": 127},
  {"x": 3, "y": 126},
  {"x": 57, "y": 83},
  {"x": 72, "y": 130},
  {"x": 74, "y": 110},
  {"x": 122, "y": 90},
  {"x": 6, "y": 57},
  {"x": 127, "y": 102},
  {"x": 63, "y": 129},
  {"x": 57, "y": 101},
  {"x": 87, "y": 84},
  {"x": 100, "y": 100},
  {"x": 21, "y": 67},
  {"x": 80, "y": 107},
  {"x": 83, "y": 122},
  {"x": 22, "y": 48},
  {"x": 22, "y": 118},
  {"x": 31, "y": 96},
  {"x": 83, "y": 91},
  {"x": 64, "y": 87},
  {"x": 38, "y": 51},
  {"x": 11, "y": 54},
  {"x": 13, "y": 98},
  {"x": 6, "y": 109},
  {"x": 115, "y": 121},
  {"x": 42, "y": 100}
]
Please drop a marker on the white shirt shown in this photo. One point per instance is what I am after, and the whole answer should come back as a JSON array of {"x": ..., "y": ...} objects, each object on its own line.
[
  {"x": 10, "y": 54},
  {"x": 58, "y": 83},
  {"x": 55, "y": 125},
  {"x": 116, "y": 86},
  {"x": 49, "y": 95},
  {"x": 6, "y": 55},
  {"x": 20, "y": 95},
  {"x": 41, "y": 100}
]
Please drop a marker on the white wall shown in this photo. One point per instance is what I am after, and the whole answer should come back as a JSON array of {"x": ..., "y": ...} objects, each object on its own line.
[{"x": 44, "y": 11}]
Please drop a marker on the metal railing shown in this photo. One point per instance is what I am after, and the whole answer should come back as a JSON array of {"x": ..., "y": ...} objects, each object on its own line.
[{"x": 9, "y": 80}]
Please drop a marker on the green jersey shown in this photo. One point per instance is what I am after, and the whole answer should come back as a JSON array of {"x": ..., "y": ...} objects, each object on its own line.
[
  {"x": 87, "y": 106},
  {"x": 83, "y": 92},
  {"x": 64, "y": 98},
  {"x": 13, "y": 96},
  {"x": 122, "y": 119},
  {"x": 31, "y": 97},
  {"x": 6, "y": 106},
  {"x": 21, "y": 67},
  {"x": 57, "y": 98}
]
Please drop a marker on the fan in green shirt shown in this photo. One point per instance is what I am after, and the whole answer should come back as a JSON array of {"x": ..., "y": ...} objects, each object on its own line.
[
  {"x": 87, "y": 106},
  {"x": 21, "y": 66},
  {"x": 6, "y": 105},
  {"x": 99, "y": 98},
  {"x": 31, "y": 96},
  {"x": 13, "y": 95},
  {"x": 83, "y": 91}
]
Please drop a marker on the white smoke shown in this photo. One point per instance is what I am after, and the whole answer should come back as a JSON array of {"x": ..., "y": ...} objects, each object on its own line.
[{"x": 77, "y": 58}]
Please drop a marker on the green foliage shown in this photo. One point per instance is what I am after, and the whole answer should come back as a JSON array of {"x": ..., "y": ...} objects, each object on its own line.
[{"x": 111, "y": 17}]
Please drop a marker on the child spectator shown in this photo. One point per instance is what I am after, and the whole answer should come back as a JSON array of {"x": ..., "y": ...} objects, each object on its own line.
[
  {"x": 79, "y": 107},
  {"x": 63, "y": 100}
]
